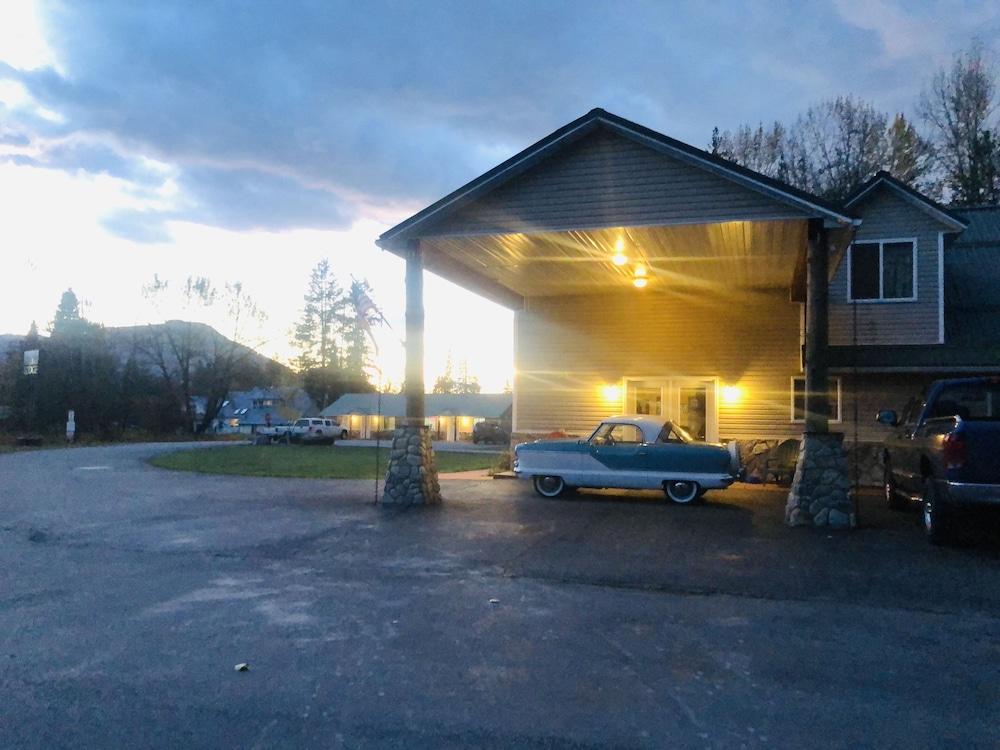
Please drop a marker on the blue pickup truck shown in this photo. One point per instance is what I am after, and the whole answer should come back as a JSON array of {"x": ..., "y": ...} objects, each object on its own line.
[{"x": 944, "y": 452}]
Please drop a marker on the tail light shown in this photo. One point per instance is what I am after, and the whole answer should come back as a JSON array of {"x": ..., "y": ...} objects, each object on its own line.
[{"x": 956, "y": 452}]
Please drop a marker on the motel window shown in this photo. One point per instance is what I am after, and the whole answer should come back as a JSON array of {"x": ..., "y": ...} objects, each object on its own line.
[
  {"x": 799, "y": 400},
  {"x": 883, "y": 271}
]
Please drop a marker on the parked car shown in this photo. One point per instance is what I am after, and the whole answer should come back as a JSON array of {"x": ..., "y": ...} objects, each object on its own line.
[
  {"x": 490, "y": 432},
  {"x": 316, "y": 430},
  {"x": 629, "y": 452},
  {"x": 944, "y": 452}
]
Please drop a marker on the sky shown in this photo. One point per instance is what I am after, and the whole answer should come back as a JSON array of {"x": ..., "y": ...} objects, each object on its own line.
[{"x": 247, "y": 141}]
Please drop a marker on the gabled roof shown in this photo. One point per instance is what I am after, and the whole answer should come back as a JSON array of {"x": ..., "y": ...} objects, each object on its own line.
[
  {"x": 983, "y": 227},
  {"x": 599, "y": 118},
  {"x": 486, "y": 405},
  {"x": 914, "y": 197}
]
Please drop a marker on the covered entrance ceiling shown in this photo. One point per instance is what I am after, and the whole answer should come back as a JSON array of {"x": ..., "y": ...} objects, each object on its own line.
[{"x": 716, "y": 256}]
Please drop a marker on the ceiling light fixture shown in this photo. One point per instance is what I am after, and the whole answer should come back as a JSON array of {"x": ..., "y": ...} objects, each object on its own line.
[
  {"x": 619, "y": 258},
  {"x": 640, "y": 281}
]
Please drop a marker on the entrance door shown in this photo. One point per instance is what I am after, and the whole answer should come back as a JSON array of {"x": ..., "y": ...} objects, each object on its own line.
[{"x": 687, "y": 402}]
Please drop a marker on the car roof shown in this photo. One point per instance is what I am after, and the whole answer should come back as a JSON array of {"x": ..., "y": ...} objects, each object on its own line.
[{"x": 650, "y": 426}]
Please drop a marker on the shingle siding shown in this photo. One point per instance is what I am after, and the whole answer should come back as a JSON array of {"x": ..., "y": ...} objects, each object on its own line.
[
  {"x": 887, "y": 216},
  {"x": 607, "y": 180},
  {"x": 569, "y": 347}
]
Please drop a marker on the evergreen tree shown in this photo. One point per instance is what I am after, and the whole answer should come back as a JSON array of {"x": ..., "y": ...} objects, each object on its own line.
[
  {"x": 323, "y": 318},
  {"x": 910, "y": 156},
  {"x": 77, "y": 371},
  {"x": 446, "y": 382},
  {"x": 466, "y": 383}
]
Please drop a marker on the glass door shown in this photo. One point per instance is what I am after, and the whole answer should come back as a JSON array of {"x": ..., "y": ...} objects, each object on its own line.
[{"x": 688, "y": 402}]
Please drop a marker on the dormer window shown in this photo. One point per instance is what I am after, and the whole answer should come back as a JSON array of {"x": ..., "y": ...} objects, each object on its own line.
[{"x": 883, "y": 271}]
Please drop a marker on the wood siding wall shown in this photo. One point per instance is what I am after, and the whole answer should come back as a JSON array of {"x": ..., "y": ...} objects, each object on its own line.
[
  {"x": 567, "y": 348},
  {"x": 607, "y": 180},
  {"x": 887, "y": 216}
]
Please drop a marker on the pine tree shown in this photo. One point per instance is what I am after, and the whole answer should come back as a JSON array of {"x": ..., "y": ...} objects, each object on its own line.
[
  {"x": 909, "y": 154},
  {"x": 445, "y": 382},
  {"x": 324, "y": 316}
]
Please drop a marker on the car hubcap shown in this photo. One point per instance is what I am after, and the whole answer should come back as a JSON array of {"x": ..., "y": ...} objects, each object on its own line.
[
  {"x": 549, "y": 484},
  {"x": 683, "y": 491}
]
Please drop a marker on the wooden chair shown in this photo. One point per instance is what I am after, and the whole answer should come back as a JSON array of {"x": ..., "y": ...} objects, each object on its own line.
[{"x": 781, "y": 460}]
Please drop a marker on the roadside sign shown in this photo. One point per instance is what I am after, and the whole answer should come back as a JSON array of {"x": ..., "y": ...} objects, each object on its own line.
[{"x": 31, "y": 362}]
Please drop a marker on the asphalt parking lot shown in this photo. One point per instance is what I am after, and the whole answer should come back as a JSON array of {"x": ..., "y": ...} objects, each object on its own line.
[{"x": 128, "y": 594}]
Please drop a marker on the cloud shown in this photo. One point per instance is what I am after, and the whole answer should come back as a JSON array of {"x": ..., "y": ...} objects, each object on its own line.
[{"x": 308, "y": 114}]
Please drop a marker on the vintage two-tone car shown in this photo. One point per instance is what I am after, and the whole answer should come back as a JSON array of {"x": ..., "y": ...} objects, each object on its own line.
[{"x": 630, "y": 452}]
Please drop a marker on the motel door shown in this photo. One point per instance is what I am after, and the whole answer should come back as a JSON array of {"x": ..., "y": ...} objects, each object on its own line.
[{"x": 687, "y": 402}]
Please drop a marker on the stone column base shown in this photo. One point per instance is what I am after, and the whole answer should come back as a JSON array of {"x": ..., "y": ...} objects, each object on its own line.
[
  {"x": 412, "y": 477},
  {"x": 820, "y": 494}
]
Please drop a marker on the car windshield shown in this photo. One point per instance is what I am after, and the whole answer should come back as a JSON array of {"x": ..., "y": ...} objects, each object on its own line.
[
  {"x": 672, "y": 433},
  {"x": 302, "y": 423}
]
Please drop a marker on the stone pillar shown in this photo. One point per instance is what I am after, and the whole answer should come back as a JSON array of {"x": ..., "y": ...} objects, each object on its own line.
[
  {"x": 820, "y": 488},
  {"x": 820, "y": 494},
  {"x": 412, "y": 475}
]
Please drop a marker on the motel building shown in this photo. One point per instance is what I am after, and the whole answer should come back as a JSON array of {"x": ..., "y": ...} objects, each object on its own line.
[
  {"x": 648, "y": 276},
  {"x": 449, "y": 416}
]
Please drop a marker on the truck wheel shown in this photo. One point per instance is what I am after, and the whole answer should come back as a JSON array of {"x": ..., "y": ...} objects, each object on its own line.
[
  {"x": 343, "y": 434},
  {"x": 938, "y": 524},
  {"x": 892, "y": 498},
  {"x": 682, "y": 492},
  {"x": 549, "y": 486}
]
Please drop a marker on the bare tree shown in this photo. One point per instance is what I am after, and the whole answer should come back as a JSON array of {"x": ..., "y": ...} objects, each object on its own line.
[
  {"x": 959, "y": 104},
  {"x": 190, "y": 356},
  {"x": 762, "y": 150},
  {"x": 830, "y": 149},
  {"x": 836, "y": 145}
]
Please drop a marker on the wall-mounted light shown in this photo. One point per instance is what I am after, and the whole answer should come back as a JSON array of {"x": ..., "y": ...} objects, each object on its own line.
[
  {"x": 612, "y": 393},
  {"x": 619, "y": 258},
  {"x": 731, "y": 394}
]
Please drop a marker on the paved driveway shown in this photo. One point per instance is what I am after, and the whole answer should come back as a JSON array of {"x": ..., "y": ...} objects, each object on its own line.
[{"x": 127, "y": 594}]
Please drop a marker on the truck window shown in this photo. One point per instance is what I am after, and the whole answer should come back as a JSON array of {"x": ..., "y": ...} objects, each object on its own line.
[{"x": 971, "y": 401}]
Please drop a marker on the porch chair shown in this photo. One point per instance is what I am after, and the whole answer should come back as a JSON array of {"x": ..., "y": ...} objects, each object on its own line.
[{"x": 781, "y": 460}]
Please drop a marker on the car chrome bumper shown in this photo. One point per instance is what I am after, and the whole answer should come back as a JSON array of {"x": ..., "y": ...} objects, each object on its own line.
[{"x": 965, "y": 493}]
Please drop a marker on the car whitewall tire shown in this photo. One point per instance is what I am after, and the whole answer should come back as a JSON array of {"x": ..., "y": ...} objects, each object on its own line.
[
  {"x": 549, "y": 486},
  {"x": 682, "y": 492}
]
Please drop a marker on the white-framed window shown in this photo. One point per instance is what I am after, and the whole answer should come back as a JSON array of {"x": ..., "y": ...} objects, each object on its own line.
[
  {"x": 882, "y": 271},
  {"x": 798, "y": 399}
]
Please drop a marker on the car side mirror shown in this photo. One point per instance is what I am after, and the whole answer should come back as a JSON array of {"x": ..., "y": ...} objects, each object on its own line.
[{"x": 887, "y": 417}]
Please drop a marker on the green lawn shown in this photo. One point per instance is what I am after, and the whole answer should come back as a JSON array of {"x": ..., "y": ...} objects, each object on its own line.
[{"x": 307, "y": 461}]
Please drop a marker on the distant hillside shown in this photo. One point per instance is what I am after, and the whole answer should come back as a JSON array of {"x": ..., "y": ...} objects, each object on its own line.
[{"x": 125, "y": 340}]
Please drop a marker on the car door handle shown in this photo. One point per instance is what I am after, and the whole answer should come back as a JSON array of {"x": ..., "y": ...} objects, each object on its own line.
[{"x": 643, "y": 453}]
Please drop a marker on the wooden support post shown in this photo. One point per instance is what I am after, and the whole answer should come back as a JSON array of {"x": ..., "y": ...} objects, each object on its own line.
[
  {"x": 414, "y": 333},
  {"x": 817, "y": 386}
]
